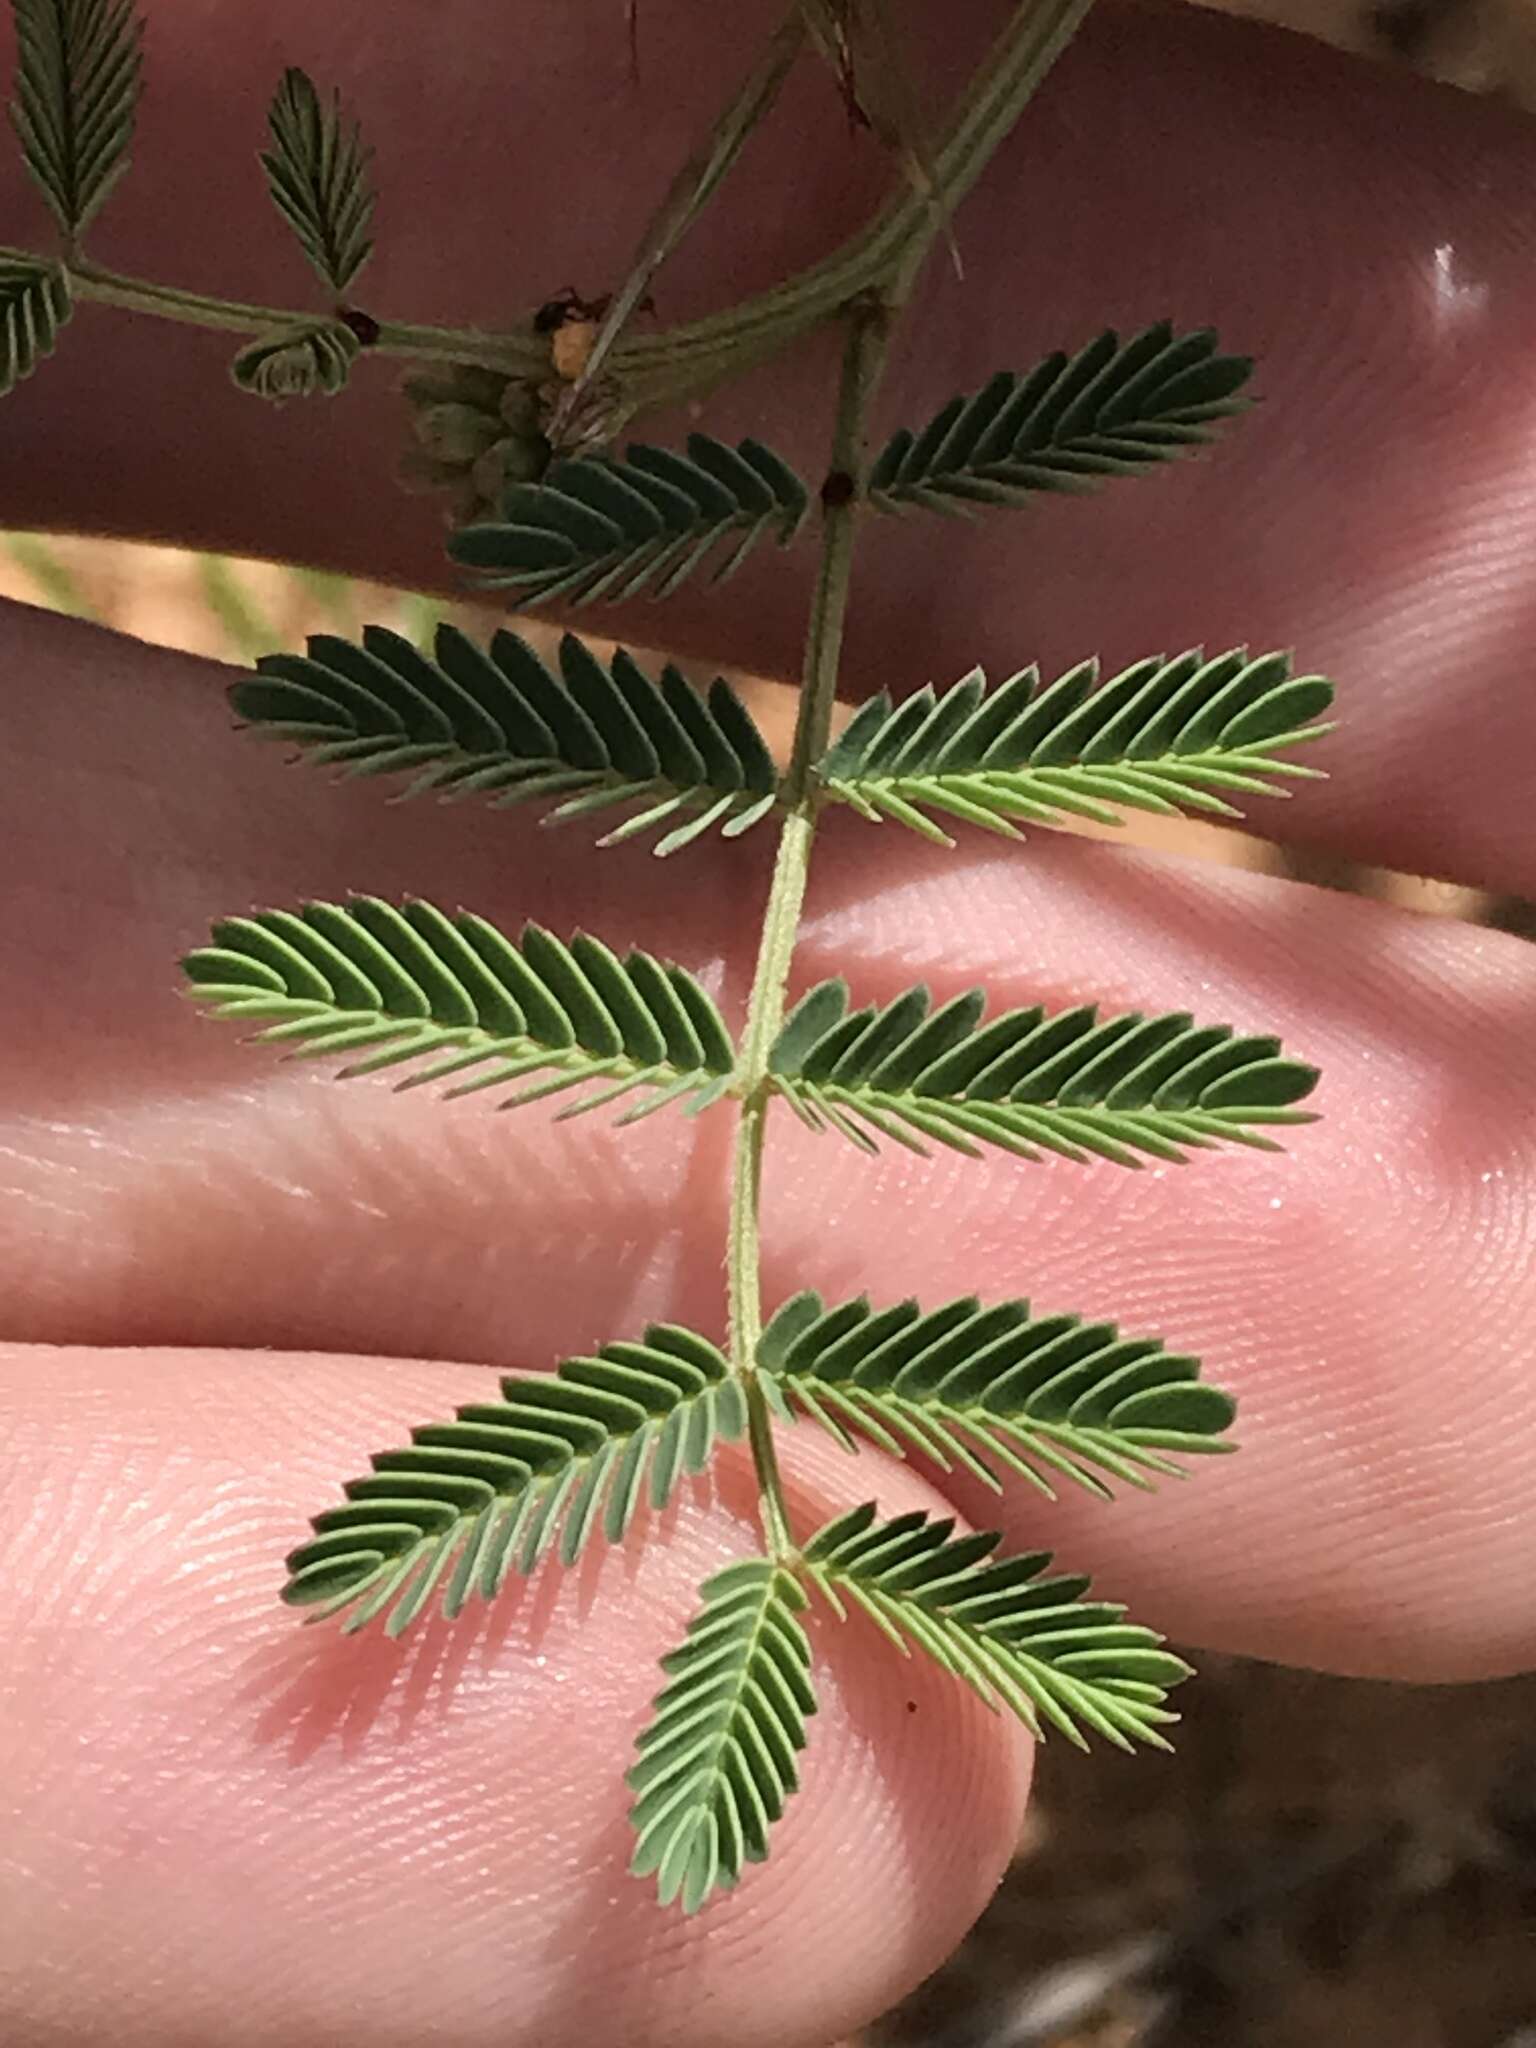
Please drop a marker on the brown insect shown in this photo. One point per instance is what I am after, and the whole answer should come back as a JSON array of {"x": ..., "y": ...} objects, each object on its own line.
[{"x": 571, "y": 322}]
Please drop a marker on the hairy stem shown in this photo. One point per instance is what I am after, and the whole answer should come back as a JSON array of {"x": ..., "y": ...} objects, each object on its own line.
[
  {"x": 868, "y": 335},
  {"x": 1039, "y": 31},
  {"x": 692, "y": 357},
  {"x": 690, "y": 192},
  {"x": 684, "y": 361},
  {"x": 521, "y": 355}
]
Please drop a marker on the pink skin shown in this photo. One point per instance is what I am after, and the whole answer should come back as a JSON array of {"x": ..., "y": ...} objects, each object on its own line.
[{"x": 227, "y": 1281}]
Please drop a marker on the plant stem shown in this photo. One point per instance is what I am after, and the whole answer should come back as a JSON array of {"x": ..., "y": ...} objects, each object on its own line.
[
  {"x": 874, "y": 282},
  {"x": 684, "y": 361},
  {"x": 689, "y": 358},
  {"x": 863, "y": 360},
  {"x": 522, "y": 355},
  {"x": 690, "y": 192}
]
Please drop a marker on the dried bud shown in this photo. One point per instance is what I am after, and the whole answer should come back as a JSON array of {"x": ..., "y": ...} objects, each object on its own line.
[
  {"x": 516, "y": 459},
  {"x": 455, "y": 432}
]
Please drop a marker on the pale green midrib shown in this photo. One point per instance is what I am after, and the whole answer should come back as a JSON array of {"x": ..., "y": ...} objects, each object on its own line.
[
  {"x": 975, "y": 1419},
  {"x": 1050, "y": 780},
  {"x": 852, "y": 1093},
  {"x": 700, "y": 795},
  {"x": 445, "y": 1038},
  {"x": 522, "y": 1497},
  {"x": 773, "y": 1602}
]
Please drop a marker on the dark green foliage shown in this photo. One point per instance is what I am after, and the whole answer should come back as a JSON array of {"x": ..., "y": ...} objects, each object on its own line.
[
  {"x": 1160, "y": 736},
  {"x": 496, "y": 722},
  {"x": 557, "y": 1459},
  {"x": 34, "y": 305},
  {"x": 1031, "y": 1081},
  {"x": 620, "y": 526},
  {"x": 1019, "y": 1640},
  {"x": 717, "y": 1762},
  {"x": 298, "y": 362},
  {"x": 77, "y": 88},
  {"x": 1114, "y": 409},
  {"x": 317, "y": 172},
  {"x": 1037, "y": 1394},
  {"x": 413, "y": 983}
]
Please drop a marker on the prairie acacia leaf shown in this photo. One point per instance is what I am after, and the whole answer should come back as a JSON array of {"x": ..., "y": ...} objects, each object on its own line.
[
  {"x": 618, "y": 526},
  {"x": 297, "y": 362},
  {"x": 1160, "y": 736},
  {"x": 1030, "y": 1081},
  {"x": 77, "y": 88},
  {"x": 717, "y": 1761},
  {"x": 414, "y": 984},
  {"x": 497, "y": 723},
  {"x": 34, "y": 305},
  {"x": 317, "y": 173},
  {"x": 993, "y": 1386},
  {"x": 1114, "y": 409},
  {"x": 1020, "y": 1640},
  {"x": 494, "y": 1491}
]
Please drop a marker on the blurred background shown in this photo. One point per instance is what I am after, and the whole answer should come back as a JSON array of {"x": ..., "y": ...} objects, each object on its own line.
[{"x": 1322, "y": 1861}]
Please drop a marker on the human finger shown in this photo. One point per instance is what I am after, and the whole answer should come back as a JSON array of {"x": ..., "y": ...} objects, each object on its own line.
[
  {"x": 1367, "y": 237},
  {"x": 219, "y": 1825}
]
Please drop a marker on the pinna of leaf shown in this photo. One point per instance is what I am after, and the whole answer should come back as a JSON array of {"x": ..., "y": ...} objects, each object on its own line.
[{"x": 995, "y": 1388}]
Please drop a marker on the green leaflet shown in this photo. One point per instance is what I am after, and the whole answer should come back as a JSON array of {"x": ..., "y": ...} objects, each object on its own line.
[
  {"x": 414, "y": 983},
  {"x": 1114, "y": 409},
  {"x": 615, "y": 527},
  {"x": 1031, "y": 1081},
  {"x": 496, "y": 722},
  {"x": 981, "y": 1385},
  {"x": 558, "y": 1458},
  {"x": 297, "y": 362},
  {"x": 1020, "y": 1641},
  {"x": 1163, "y": 735},
  {"x": 34, "y": 305},
  {"x": 717, "y": 1761},
  {"x": 317, "y": 172},
  {"x": 77, "y": 89}
]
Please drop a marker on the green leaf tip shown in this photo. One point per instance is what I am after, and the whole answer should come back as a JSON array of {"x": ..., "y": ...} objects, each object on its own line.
[
  {"x": 1019, "y": 1640},
  {"x": 1163, "y": 736},
  {"x": 415, "y": 983},
  {"x": 317, "y": 173},
  {"x": 497, "y": 722},
  {"x": 34, "y": 304},
  {"x": 1114, "y": 409},
  {"x": 717, "y": 1761},
  {"x": 78, "y": 76},
  {"x": 1031, "y": 1081},
  {"x": 617, "y": 527},
  {"x": 297, "y": 362},
  {"x": 982, "y": 1387},
  {"x": 559, "y": 1459}
]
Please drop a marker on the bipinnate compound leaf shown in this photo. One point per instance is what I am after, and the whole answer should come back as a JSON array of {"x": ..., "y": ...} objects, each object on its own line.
[
  {"x": 717, "y": 1760},
  {"x": 34, "y": 304},
  {"x": 1031, "y": 1081},
  {"x": 621, "y": 526},
  {"x": 499, "y": 723},
  {"x": 317, "y": 172},
  {"x": 77, "y": 88},
  {"x": 1114, "y": 409},
  {"x": 1020, "y": 1640},
  {"x": 989, "y": 1385},
  {"x": 559, "y": 1459},
  {"x": 414, "y": 983},
  {"x": 1161, "y": 736},
  {"x": 297, "y": 362}
]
